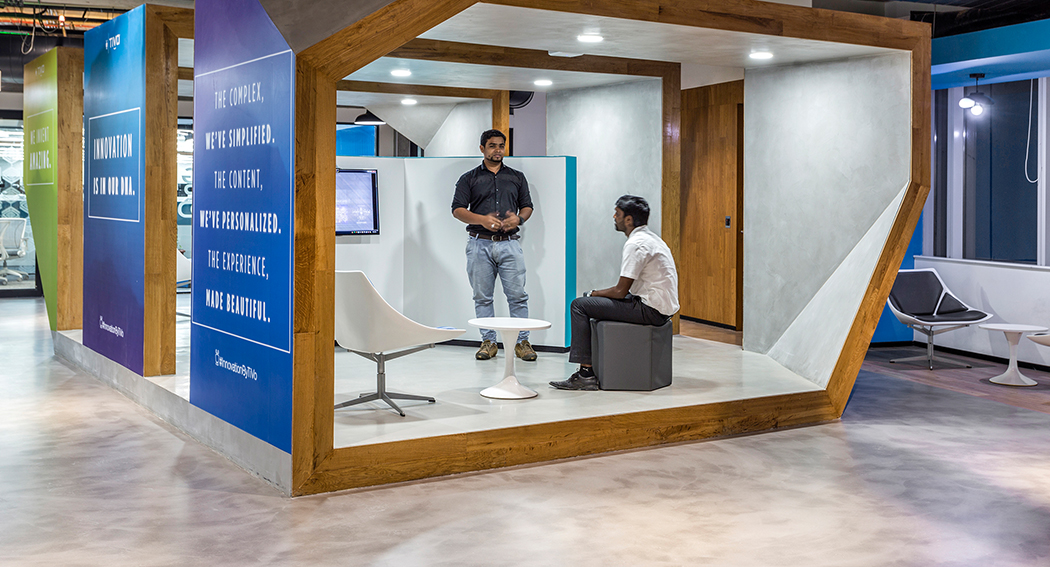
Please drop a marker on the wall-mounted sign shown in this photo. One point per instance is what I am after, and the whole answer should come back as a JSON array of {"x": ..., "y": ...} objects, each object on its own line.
[
  {"x": 114, "y": 96},
  {"x": 39, "y": 174},
  {"x": 243, "y": 231}
]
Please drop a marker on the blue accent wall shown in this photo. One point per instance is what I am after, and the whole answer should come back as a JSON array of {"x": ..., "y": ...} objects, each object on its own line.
[
  {"x": 1009, "y": 53},
  {"x": 570, "y": 243},
  {"x": 355, "y": 140},
  {"x": 890, "y": 330}
]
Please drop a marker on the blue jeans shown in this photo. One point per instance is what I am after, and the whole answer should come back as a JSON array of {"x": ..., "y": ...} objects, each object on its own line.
[{"x": 486, "y": 259}]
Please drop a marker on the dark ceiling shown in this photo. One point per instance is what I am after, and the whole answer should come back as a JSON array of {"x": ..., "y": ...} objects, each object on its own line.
[{"x": 980, "y": 14}]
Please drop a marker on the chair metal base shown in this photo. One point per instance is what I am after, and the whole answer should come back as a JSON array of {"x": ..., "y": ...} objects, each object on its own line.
[
  {"x": 7, "y": 274},
  {"x": 929, "y": 357},
  {"x": 381, "y": 392}
]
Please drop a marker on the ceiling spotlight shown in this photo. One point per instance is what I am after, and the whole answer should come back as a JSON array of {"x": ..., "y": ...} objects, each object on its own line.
[
  {"x": 761, "y": 55},
  {"x": 369, "y": 119},
  {"x": 543, "y": 82},
  {"x": 976, "y": 101},
  {"x": 589, "y": 38},
  {"x": 408, "y": 101},
  {"x": 401, "y": 73}
]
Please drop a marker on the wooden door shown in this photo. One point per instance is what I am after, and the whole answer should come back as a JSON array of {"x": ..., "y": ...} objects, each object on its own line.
[{"x": 712, "y": 254}]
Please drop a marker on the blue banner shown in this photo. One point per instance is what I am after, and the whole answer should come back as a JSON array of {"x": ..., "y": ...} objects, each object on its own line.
[
  {"x": 243, "y": 225},
  {"x": 114, "y": 234}
]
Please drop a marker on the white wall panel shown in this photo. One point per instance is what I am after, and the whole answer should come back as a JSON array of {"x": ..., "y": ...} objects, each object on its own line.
[
  {"x": 1013, "y": 293},
  {"x": 827, "y": 148}
]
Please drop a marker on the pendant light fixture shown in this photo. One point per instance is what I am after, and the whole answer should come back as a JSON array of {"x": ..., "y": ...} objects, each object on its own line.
[
  {"x": 976, "y": 101},
  {"x": 369, "y": 119}
]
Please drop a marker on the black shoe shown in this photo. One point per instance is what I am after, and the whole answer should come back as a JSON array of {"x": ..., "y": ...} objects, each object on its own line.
[{"x": 578, "y": 382}]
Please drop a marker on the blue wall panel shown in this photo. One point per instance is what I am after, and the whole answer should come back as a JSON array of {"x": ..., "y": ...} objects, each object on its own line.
[
  {"x": 243, "y": 223},
  {"x": 890, "y": 330},
  {"x": 114, "y": 174}
]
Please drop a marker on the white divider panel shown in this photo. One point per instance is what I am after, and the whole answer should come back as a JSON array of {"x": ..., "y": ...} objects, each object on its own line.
[{"x": 418, "y": 261}]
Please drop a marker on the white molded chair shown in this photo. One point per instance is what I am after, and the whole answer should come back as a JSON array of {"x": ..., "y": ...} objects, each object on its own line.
[
  {"x": 12, "y": 245},
  {"x": 366, "y": 325},
  {"x": 920, "y": 300}
]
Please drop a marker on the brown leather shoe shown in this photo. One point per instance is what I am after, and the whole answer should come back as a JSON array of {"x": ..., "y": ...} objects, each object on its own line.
[
  {"x": 524, "y": 351},
  {"x": 487, "y": 351}
]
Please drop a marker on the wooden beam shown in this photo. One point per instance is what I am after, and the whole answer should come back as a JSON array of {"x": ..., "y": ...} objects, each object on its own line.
[
  {"x": 468, "y": 53},
  {"x": 376, "y": 34},
  {"x": 416, "y": 90},
  {"x": 161, "y": 117},
  {"x": 859, "y": 338},
  {"x": 313, "y": 388},
  {"x": 317, "y": 70},
  {"x": 747, "y": 16},
  {"x": 69, "y": 304},
  {"x": 412, "y": 459},
  {"x": 185, "y": 73},
  {"x": 501, "y": 114},
  {"x": 178, "y": 20}
]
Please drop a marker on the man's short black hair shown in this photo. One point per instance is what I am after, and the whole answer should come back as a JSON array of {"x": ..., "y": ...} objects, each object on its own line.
[
  {"x": 635, "y": 207},
  {"x": 491, "y": 134}
]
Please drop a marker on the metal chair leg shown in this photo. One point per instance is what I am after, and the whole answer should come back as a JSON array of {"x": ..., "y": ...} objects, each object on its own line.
[{"x": 381, "y": 392}]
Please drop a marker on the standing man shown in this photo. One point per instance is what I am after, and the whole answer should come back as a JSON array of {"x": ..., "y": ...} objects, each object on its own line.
[
  {"x": 646, "y": 293},
  {"x": 494, "y": 201}
]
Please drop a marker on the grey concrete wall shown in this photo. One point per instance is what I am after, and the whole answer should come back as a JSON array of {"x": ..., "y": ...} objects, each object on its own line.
[
  {"x": 614, "y": 132},
  {"x": 827, "y": 149},
  {"x": 460, "y": 134}
]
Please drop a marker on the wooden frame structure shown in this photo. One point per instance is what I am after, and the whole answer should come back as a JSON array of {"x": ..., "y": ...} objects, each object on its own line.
[
  {"x": 164, "y": 26},
  {"x": 318, "y": 467}
]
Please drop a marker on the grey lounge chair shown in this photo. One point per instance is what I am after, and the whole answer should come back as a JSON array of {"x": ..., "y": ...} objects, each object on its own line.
[{"x": 920, "y": 300}]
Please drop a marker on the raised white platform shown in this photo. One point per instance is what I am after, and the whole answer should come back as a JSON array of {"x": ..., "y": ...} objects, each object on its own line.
[{"x": 704, "y": 372}]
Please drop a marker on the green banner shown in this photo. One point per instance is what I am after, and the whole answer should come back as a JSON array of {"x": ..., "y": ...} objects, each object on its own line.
[{"x": 40, "y": 168}]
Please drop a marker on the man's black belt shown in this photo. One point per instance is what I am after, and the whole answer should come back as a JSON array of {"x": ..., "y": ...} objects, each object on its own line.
[{"x": 494, "y": 237}]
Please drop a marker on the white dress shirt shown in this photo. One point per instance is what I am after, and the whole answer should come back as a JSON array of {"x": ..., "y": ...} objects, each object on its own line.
[{"x": 648, "y": 261}]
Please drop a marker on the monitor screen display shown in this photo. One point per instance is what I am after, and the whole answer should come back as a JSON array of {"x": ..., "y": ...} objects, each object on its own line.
[{"x": 356, "y": 201}]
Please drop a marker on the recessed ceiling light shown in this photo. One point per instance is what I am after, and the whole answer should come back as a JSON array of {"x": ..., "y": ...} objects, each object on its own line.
[
  {"x": 543, "y": 82},
  {"x": 408, "y": 101},
  {"x": 401, "y": 73},
  {"x": 589, "y": 38},
  {"x": 761, "y": 55}
]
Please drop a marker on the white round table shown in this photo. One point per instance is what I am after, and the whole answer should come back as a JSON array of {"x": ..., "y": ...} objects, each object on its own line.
[
  {"x": 1013, "y": 376},
  {"x": 509, "y": 327}
]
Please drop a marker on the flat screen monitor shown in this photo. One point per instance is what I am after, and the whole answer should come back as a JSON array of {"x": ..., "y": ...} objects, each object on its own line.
[{"x": 356, "y": 201}]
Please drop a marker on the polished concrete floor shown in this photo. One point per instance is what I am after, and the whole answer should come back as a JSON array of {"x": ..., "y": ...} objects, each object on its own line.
[{"x": 911, "y": 475}]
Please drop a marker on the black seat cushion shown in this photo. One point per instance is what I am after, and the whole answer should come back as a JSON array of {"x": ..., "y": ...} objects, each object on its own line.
[
  {"x": 953, "y": 317},
  {"x": 916, "y": 293}
]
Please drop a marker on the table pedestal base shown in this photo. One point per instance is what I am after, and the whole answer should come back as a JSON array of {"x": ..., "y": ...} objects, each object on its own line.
[
  {"x": 1013, "y": 376},
  {"x": 509, "y": 388}
]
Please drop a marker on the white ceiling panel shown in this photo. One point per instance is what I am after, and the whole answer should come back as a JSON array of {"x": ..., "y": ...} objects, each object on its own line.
[
  {"x": 441, "y": 73},
  {"x": 509, "y": 26}
]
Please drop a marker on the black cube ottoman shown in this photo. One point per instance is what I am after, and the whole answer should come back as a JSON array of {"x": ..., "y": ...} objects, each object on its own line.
[{"x": 631, "y": 357}]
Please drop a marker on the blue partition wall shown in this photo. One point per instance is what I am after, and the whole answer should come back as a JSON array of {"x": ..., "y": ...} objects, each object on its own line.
[
  {"x": 114, "y": 227},
  {"x": 243, "y": 224}
]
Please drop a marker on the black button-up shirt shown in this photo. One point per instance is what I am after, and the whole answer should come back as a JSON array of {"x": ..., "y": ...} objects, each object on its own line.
[{"x": 482, "y": 192}]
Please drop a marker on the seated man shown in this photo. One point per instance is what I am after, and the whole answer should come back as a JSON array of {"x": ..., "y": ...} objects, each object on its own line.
[{"x": 646, "y": 294}]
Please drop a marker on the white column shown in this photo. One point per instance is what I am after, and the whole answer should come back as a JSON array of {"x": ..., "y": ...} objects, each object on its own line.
[
  {"x": 956, "y": 169},
  {"x": 1042, "y": 152}
]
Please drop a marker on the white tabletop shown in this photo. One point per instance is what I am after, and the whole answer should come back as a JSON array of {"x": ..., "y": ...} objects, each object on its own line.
[
  {"x": 511, "y": 324},
  {"x": 1011, "y": 328}
]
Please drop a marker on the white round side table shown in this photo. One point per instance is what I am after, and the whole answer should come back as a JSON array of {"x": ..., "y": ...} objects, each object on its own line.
[
  {"x": 509, "y": 327},
  {"x": 1013, "y": 376}
]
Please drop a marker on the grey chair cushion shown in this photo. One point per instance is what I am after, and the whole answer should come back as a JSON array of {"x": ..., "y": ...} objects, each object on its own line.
[{"x": 916, "y": 293}]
